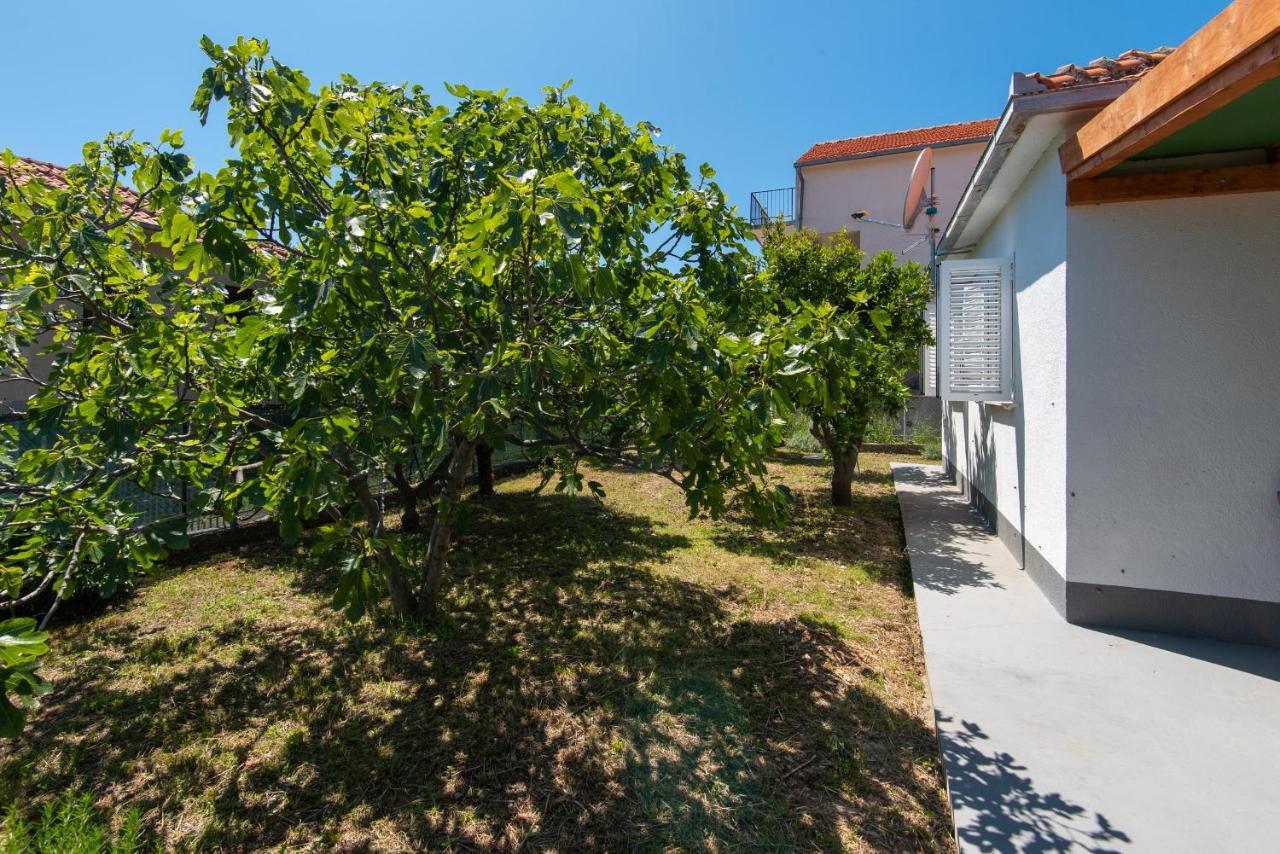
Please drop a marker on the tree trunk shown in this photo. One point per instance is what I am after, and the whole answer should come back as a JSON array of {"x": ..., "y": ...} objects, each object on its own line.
[
  {"x": 410, "y": 519},
  {"x": 397, "y": 582},
  {"x": 392, "y": 569},
  {"x": 442, "y": 527},
  {"x": 846, "y": 463},
  {"x": 843, "y": 459},
  {"x": 484, "y": 469}
]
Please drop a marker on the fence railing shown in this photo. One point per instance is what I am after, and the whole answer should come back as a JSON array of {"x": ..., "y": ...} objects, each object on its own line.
[
  {"x": 922, "y": 416},
  {"x": 770, "y": 205},
  {"x": 169, "y": 501}
]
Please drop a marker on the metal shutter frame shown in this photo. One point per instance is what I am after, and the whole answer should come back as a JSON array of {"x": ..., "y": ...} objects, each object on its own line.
[{"x": 975, "y": 329}]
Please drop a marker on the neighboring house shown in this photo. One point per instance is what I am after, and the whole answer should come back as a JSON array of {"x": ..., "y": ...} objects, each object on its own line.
[
  {"x": 14, "y": 392},
  {"x": 835, "y": 179},
  {"x": 1109, "y": 333},
  {"x": 870, "y": 173}
]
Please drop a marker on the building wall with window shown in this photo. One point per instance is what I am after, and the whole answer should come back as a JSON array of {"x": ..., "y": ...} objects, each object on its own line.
[
  {"x": 1112, "y": 473},
  {"x": 1011, "y": 459},
  {"x": 829, "y": 192}
]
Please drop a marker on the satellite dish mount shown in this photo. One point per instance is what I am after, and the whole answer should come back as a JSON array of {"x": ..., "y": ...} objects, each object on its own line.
[{"x": 920, "y": 198}]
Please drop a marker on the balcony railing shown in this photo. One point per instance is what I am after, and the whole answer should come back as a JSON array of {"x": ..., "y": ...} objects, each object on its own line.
[{"x": 768, "y": 205}]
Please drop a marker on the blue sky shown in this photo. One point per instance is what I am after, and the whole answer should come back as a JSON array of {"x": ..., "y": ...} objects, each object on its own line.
[{"x": 746, "y": 86}]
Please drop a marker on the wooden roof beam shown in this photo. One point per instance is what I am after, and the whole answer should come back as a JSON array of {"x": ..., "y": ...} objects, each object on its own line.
[{"x": 1146, "y": 186}]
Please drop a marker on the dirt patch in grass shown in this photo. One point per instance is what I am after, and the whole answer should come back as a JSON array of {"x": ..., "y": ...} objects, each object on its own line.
[{"x": 606, "y": 675}]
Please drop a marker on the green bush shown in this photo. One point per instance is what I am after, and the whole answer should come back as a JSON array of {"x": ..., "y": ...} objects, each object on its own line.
[
  {"x": 21, "y": 646},
  {"x": 798, "y": 436},
  {"x": 929, "y": 438},
  {"x": 886, "y": 429},
  {"x": 69, "y": 825}
]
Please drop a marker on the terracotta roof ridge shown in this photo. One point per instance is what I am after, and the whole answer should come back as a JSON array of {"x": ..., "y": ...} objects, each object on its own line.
[
  {"x": 144, "y": 216},
  {"x": 38, "y": 162},
  {"x": 906, "y": 130},
  {"x": 1130, "y": 64}
]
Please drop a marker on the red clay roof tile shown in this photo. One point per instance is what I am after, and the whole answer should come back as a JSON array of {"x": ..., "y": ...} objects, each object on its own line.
[
  {"x": 1131, "y": 63},
  {"x": 29, "y": 169},
  {"x": 901, "y": 140}
]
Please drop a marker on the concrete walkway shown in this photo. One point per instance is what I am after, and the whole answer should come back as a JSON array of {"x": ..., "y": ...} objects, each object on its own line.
[{"x": 1061, "y": 737}]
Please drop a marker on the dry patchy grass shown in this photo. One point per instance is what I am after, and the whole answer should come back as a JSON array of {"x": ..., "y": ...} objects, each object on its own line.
[{"x": 606, "y": 675}]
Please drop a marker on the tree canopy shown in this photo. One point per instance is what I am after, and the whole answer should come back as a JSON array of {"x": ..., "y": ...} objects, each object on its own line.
[
  {"x": 885, "y": 303},
  {"x": 373, "y": 287},
  {"x": 543, "y": 275}
]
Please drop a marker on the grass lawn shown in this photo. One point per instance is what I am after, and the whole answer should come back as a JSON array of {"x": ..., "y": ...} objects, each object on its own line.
[{"x": 607, "y": 675}]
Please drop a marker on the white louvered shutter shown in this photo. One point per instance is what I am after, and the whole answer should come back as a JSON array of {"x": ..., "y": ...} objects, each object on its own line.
[
  {"x": 975, "y": 302},
  {"x": 929, "y": 354}
]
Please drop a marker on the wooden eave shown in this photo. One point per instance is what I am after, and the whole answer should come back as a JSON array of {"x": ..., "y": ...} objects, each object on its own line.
[{"x": 1234, "y": 53}]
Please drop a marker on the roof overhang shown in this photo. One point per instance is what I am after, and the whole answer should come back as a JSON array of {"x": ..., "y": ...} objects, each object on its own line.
[
  {"x": 1188, "y": 126},
  {"x": 1029, "y": 124}
]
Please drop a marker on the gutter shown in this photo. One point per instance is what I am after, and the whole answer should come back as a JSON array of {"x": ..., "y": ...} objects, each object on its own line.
[
  {"x": 799, "y": 201},
  {"x": 1021, "y": 107}
]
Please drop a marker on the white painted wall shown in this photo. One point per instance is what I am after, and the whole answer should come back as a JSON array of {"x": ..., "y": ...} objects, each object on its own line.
[
  {"x": 1143, "y": 448},
  {"x": 1017, "y": 456},
  {"x": 1173, "y": 391},
  {"x": 832, "y": 191}
]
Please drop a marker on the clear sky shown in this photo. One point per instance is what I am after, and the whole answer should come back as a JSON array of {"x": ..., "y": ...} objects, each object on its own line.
[{"x": 746, "y": 86}]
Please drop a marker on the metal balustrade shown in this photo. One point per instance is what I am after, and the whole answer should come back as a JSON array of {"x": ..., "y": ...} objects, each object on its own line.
[{"x": 771, "y": 205}]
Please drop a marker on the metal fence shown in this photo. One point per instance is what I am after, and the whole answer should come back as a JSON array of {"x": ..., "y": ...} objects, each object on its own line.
[
  {"x": 921, "y": 417},
  {"x": 170, "y": 499},
  {"x": 167, "y": 500}
]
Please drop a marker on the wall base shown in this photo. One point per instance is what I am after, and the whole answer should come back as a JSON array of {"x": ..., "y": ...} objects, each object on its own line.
[
  {"x": 1034, "y": 564},
  {"x": 1196, "y": 614},
  {"x": 1107, "y": 605}
]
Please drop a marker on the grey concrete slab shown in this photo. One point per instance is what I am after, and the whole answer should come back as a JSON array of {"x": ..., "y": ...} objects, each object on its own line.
[{"x": 1059, "y": 737}]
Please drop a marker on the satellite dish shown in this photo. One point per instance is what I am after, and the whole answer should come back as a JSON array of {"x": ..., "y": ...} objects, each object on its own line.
[{"x": 917, "y": 189}]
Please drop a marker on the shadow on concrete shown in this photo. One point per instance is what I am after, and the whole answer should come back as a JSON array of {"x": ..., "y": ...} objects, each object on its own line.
[
  {"x": 1263, "y": 661},
  {"x": 998, "y": 807},
  {"x": 948, "y": 569}
]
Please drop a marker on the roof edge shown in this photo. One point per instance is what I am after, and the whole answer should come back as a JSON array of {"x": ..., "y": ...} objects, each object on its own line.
[
  {"x": 1019, "y": 109},
  {"x": 883, "y": 152},
  {"x": 899, "y": 130}
]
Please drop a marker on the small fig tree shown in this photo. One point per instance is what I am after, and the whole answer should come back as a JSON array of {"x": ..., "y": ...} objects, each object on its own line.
[
  {"x": 112, "y": 319},
  {"x": 113, "y": 324},
  {"x": 857, "y": 379}
]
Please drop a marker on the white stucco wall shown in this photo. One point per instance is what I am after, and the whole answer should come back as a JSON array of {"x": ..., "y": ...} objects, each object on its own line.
[
  {"x": 832, "y": 191},
  {"x": 1173, "y": 309},
  {"x": 1017, "y": 456}
]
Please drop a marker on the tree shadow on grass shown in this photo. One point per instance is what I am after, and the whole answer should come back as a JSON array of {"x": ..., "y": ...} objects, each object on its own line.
[
  {"x": 572, "y": 696},
  {"x": 868, "y": 533}
]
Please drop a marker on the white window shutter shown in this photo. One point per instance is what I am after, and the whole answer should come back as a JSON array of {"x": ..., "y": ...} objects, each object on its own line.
[
  {"x": 975, "y": 329},
  {"x": 929, "y": 355}
]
